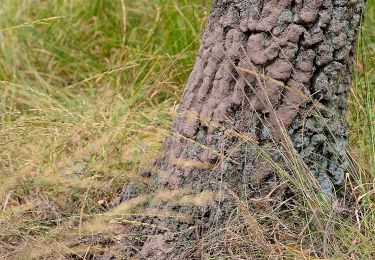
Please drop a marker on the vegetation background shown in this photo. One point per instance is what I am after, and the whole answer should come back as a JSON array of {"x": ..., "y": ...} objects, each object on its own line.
[{"x": 88, "y": 90}]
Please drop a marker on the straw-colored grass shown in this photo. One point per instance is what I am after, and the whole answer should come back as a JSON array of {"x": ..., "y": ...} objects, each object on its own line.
[{"x": 87, "y": 91}]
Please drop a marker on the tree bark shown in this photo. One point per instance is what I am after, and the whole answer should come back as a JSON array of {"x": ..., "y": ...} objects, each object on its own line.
[{"x": 271, "y": 76}]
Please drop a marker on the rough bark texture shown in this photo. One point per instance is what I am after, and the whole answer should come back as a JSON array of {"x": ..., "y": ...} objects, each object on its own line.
[{"x": 263, "y": 66}]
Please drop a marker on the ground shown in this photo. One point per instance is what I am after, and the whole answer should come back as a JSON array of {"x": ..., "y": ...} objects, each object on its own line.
[{"x": 88, "y": 90}]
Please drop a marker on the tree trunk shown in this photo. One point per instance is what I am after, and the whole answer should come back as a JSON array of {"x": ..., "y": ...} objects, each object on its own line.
[{"x": 270, "y": 81}]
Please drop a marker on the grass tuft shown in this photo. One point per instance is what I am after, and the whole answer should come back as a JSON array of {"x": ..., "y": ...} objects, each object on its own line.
[{"x": 87, "y": 91}]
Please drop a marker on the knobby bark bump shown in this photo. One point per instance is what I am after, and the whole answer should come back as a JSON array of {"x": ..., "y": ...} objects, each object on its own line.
[{"x": 268, "y": 73}]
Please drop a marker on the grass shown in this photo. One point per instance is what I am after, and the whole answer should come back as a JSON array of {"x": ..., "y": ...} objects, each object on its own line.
[{"x": 87, "y": 90}]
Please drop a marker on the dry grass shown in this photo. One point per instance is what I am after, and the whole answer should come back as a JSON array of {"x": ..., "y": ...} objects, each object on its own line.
[{"x": 88, "y": 89}]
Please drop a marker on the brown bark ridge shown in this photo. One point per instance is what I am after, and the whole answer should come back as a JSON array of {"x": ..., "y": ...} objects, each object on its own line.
[{"x": 267, "y": 71}]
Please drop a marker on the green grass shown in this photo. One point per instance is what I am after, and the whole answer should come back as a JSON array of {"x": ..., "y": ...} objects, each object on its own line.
[{"x": 87, "y": 89}]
